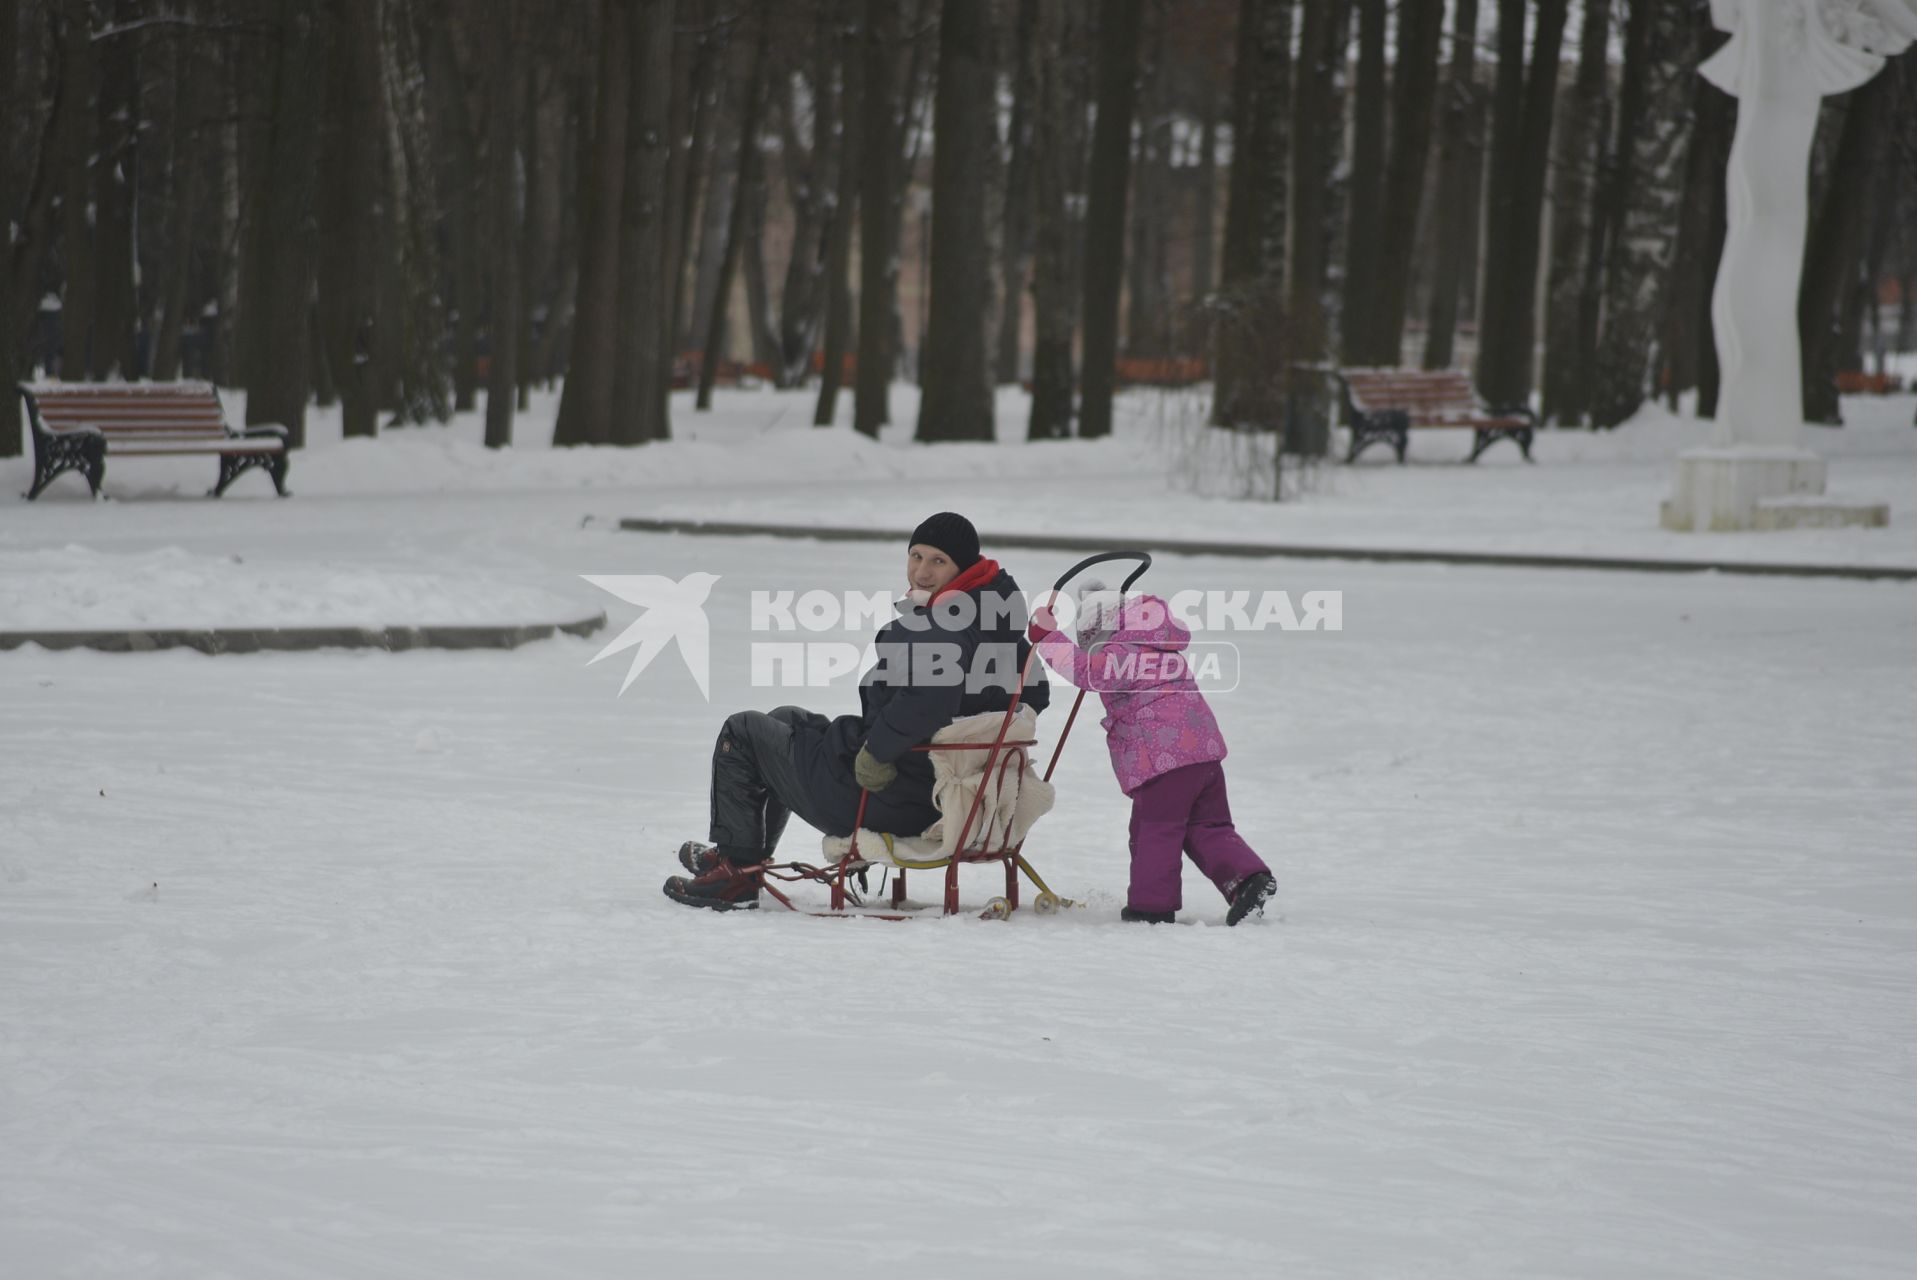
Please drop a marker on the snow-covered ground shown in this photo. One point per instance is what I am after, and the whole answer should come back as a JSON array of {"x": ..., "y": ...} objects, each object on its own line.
[{"x": 1595, "y": 952}]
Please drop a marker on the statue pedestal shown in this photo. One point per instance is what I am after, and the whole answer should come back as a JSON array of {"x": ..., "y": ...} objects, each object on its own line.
[
  {"x": 1818, "y": 513},
  {"x": 1720, "y": 488}
]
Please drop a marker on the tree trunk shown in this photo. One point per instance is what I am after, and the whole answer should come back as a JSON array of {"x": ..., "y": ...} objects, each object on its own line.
[
  {"x": 691, "y": 166},
  {"x": 1117, "y": 71},
  {"x": 838, "y": 240},
  {"x": 1497, "y": 364},
  {"x": 762, "y": 327},
  {"x": 586, "y": 402},
  {"x": 274, "y": 304},
  {"x": 1508, "y": 335},
  {"x": 1659, "y": 59},
  {"x": 26, "y": 203},
  {"x": 640, "y": 389},
  {"x": 914, "y": 129},
  {"x": 192, "y": 75},
  {"x": 533, "y": 232},
  {"x": 350, "y": 197},
  {"x": 1256, "y": 203},
  {"x": 1204, "y": 269},
  {"x": 1316, "y": 143},
  {"x": 721, "y": 192},
  {"x": 1020, "y": 206},
  {"x": 1460, "y": 167},
  {"x": 957, "y": 400},
  {"x": 1717, "y": 119},
  {"x": 1414, "y": 85},
  {"x": 878, "y": 266},
  {"x": 79, "y": 121},
  {"x": 1835, "y": 249},
  {"x": 737, "y": 224},
  {"x": 504, "y": 71},
  {"x": 806, "y": 170},
  {"x": 1687, "y": 335},
  {"x": 1567, "y": 360},
  {"x": 1147, "y": 304},
  {"x": 1058, "y": 142},
  {"x": 115, "y": 190},
  {"x": 1364, "y": 215},
  {"x": 413, "y": 324}
]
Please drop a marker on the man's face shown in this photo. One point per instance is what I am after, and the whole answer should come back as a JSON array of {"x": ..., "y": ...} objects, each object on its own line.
[{"x": 928, "y": 568}]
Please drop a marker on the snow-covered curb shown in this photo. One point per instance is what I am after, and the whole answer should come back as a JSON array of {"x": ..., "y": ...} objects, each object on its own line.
[
  {"x": 263, "y": 639},
  {"x": 1294, "y": 551},
  {"x": 233, "y": 603}
]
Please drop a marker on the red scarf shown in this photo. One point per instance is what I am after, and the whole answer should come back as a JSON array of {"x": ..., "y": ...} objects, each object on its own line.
[{"x": 980, "y": 574}]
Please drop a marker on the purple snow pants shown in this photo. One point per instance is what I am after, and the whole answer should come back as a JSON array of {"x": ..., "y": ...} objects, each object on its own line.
[{"x": 1185, "y": 811}]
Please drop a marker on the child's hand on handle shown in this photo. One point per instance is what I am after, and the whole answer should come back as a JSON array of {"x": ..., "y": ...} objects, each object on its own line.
[{"x": 1043, "y": 623}]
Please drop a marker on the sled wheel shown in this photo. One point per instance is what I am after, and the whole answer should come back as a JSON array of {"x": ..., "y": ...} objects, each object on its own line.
[
  {"x": 996, "y": 909},
  {"x": 1046, "y": 903}
]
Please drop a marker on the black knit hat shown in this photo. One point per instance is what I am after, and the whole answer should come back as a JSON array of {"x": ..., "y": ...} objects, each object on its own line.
[{"x": 951, "y": 533}]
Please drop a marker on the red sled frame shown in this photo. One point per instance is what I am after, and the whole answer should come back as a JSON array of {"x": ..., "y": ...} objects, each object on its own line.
[{"x": 1008, "y": 855}]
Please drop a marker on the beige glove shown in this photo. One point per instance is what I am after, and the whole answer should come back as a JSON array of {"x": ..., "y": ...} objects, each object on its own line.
[{"x": 873, "y": 773}]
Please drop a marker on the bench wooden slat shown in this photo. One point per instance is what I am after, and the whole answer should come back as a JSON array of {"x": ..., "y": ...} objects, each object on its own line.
[{"x": 241, "y": 443}]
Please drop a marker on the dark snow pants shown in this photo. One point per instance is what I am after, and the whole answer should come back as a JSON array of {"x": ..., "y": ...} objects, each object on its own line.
[{"x": 755, "y": 782}]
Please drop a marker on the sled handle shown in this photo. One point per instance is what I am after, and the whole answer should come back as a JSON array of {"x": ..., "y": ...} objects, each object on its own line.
[{"x": 1144, "y": 559}]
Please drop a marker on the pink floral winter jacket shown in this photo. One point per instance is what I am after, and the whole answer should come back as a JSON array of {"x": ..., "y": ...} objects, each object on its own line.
[{"x": 1156, "y": 720}]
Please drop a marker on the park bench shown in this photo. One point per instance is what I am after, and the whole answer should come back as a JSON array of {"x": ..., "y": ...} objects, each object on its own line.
[
  {"x": 1384, "y": 404},
  {"x": 1162, "y": 371},
  {"x": 1856, "y": 382},
  {"x": 76, "y": 424}
]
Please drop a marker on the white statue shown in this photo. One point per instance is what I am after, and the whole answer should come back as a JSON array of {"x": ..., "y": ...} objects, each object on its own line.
[{"x": 1783, "y": 58}]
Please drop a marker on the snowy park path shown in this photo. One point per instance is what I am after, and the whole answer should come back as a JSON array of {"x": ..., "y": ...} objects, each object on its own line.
[{"x": 1595, "y": 952}]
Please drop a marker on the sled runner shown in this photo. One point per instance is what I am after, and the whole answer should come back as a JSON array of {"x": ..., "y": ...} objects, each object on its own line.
[{"x": 999, "y": 797}]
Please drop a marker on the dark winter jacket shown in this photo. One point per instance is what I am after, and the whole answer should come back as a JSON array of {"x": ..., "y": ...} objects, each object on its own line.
[{"x": 914, "y": 691}]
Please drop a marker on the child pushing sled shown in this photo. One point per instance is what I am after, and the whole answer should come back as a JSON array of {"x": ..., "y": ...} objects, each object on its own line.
[{"x": 1166, "y": 749}]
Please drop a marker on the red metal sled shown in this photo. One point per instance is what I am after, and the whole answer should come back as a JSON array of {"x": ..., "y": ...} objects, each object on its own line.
[{"x": 847, "y": 901}]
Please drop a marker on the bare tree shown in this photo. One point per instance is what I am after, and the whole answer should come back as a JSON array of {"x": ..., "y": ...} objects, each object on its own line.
[
  {"x": 77, "y": 151},
  {"x": 1834, "y": 254},
  {"x": 737, "y": 223},
  {"x": 1653, "y": 125},
  {"x": 276, "y": 276},
  {"x": 1364, "y": 215},
  {"x": 878, "y": 265},
  {"x": 838, "y": 250},
  {"x": 1413, "y": 87},
  {"x": 1315, "y": 147},
  {"x": 193, "y": 74},
  {"x": 1117, "y": 72},
  {"x": 586, "y": 403},
  {"x": 1580, "y": 140},
  {"x": 1460, "y": 167},
  {"x": 34, "y": 106},
  {"x": 1507, "y": 331},
  {"x": 640, "y": 385},
  {"x": 115, "y": 178},
  {"x": 1256, "y": 206},
  {"x": 1148, "y": 317},
  {"x": 504, "y": 69},
  {"x": 1020, "y": 190},
  {"x": 349, "y": 209},
  {"x": 1058, "y": 161},
  {"x": 957, "y": 400}
]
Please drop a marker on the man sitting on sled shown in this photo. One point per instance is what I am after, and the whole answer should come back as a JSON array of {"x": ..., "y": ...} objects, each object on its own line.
[{"x": 956, "y": 649}]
